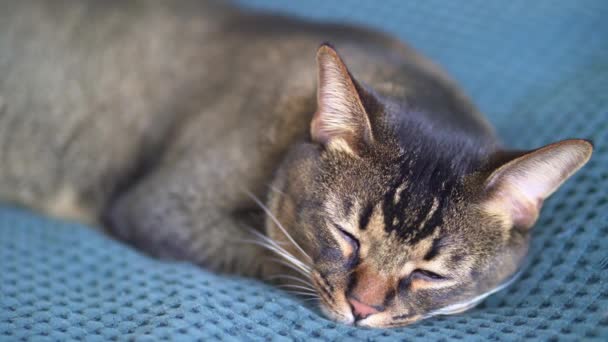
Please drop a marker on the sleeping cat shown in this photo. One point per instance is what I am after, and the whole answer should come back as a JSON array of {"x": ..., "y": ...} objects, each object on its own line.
[{"x": 195, "y": 131}]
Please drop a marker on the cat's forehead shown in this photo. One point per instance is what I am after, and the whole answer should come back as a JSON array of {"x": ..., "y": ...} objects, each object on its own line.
[
  {"x": 406, "y": 205},
  {"x": 414, "y": 210},
  {"x": 402, "y": 211},
  {"x": 391, "y": 241}
]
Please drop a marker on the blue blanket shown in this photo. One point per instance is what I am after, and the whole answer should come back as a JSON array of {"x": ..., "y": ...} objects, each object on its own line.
[{"x": 539, "y": 70}]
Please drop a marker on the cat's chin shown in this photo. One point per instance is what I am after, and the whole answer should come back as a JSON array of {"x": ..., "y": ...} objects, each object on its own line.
[
  {"x": 384, "y": 320},
  {"x": 380, "y": 320},
  {"x": 344, "y": 316}
]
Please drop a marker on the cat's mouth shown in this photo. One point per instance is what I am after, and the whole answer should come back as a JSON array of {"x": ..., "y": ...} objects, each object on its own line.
[
  {"x": 336, "y": 306},
  {"x": 332, "y": 303}
]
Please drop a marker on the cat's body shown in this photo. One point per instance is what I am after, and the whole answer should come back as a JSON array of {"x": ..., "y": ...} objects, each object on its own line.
[
  {"x": 98, "y": 96},
  {"x": 156, "y": 119}
]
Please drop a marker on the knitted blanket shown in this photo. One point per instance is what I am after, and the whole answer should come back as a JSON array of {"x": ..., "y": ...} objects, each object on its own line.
[{"x": 538, "y": 69}]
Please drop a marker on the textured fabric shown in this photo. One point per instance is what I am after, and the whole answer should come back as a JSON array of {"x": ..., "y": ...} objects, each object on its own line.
[{"x": 538, "y": 69}]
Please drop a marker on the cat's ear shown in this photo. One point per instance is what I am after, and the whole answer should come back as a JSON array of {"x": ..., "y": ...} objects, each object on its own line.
[
  {"x": 517, "y": 189},
  {"x": 340, "y": 120}
]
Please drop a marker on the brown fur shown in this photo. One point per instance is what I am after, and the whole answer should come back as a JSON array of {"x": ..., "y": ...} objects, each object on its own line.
[
  {"x": 166, "y": 121},
  {"x": 475, "y": 246}
]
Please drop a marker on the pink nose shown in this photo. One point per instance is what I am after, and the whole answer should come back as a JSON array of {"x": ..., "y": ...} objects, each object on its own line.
[{"x": 362, "y": 310}]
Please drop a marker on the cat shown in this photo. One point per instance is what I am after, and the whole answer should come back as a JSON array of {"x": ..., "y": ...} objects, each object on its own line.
[{"x": 198, "y": 131}]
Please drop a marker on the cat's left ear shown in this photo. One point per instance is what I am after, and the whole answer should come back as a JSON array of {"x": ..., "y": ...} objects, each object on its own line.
[
  {"x": 341, "y": 120},
  {"x": 517, "y": 189}
]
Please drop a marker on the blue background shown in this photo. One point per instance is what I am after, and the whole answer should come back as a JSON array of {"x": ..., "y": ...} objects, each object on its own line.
[{"x": 538, "y": 69}]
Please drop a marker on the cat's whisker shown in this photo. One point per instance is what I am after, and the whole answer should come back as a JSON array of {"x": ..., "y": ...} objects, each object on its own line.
[
  {"x": 265, "y": 245},
  {"x": 271, "y": 245},
  {"x": 297, "y": 264},
  {"x": 270, "y": 242},
  {"x": 305, "y": 272},
  {"x": 265, "y": 238},
  {"x": 304, "y": 294},
  {"x": 274, "y": 247},
  {"x": 276, "y": 221},
  {"x": 285, "y": 276},
  {"x": 276, "y": 244},
  {"x": 299, "y": 287},
  {"x": 292, "y": 260},
  {"x": 310, "y": 299},
  {"x": 288, "y": 260},
  {"x": 287, "y": 264}
]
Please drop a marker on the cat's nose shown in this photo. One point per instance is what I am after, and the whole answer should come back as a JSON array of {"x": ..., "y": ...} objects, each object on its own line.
[{"x": 362, "y": 310}]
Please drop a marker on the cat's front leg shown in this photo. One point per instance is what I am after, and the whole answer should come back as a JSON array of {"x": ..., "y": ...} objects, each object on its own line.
[{"x": 168, "y": 215}]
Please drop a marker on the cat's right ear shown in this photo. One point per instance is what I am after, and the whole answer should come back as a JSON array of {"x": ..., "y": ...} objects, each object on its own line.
[
  {"x": 340, "y": 120},
  {"x": 516, "y": 190}
]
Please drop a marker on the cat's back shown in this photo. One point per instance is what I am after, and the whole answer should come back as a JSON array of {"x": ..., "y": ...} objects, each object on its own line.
[
  {"x": 431, "y": 102},
  {"x": 87, "y": 87},
  {"x": 91, "y": 89}
]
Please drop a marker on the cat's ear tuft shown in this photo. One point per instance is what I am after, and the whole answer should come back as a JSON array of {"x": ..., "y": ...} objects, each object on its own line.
[
  {"x": 340, "y": 120},
  {"x": 517, "y": 189}
]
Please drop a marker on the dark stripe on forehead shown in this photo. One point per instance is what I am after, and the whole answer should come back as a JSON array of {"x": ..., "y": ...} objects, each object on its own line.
[
  {"x": 434, "y": 250},
  {"x": 365, "y": 216},
  {"x": 348, "y": 206},
  {"x": 407, "y": 218},
  {"x": 419, "y": 210}
]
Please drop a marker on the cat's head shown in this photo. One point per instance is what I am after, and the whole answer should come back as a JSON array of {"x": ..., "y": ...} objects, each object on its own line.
[{"x": 390, "y": 234}]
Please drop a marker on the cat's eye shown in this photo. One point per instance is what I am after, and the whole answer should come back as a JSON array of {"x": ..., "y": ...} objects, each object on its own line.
[
  {"x": 420, "y": 274},
  {"x": 354, "y": 243},
  {"x": 353, "y": 255},
  {"x": 427, "y": 275}
]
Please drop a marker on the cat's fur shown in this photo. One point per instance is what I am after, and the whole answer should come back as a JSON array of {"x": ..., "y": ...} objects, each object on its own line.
[{"x": 165, "y": 122}]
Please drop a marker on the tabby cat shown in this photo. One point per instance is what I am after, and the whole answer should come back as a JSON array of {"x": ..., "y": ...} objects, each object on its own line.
[{"x": 388, "y": 197}]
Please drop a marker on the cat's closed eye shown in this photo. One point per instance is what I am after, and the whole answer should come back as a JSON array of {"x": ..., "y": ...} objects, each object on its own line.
[
  {"x": 420, "y": 278},
  {"x": 427, "y": 275},
  {"x": 353, "y": 242}
]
